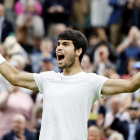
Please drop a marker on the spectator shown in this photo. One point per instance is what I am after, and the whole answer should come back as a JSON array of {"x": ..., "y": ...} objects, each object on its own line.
[
  {"x": 19, "y": 62},
  {"x": 37, "y": 118},
  {"x": 130, "y": 47},
  {"x": 115, "y": 105},
  {"x": 99, "y": 22},
  {"x": 115, "y": 21},
  {"x": 86, "y": 64},
  {"x": 6, "y": 27},
  {"x": 129, "y": 129},
  {"x": 125, "y": 98},
  {"x": 47, "y": 64},
  {"x": 136, "y": 67},
  {"x": 20, "y": 7},
  {"x": 12, "y": 102},
  {"x": 100, "y": 12},
  {"x": 102, "y": 61},
  {"x": 56, "y": 11},
  {"x": 130, "y": 16},
  {"x": 19, "y": 129},
  {"x": 80, "y": 9},
  {"x": 129, "y": 69},
  {"x": 93, "y": 40},
  {"x": 13, "y": 47},
  {"x": 101, "y": 40},
  {"x": 116, "y": 136},
  {"x": 57, "y": 30},
  {"x": 46, "y": 47},
  {"x": 93, "y": 133},
  {"x": 29, "y": 24},
  {"x": 110, "y": 116},
  {"x": 35, "y": 55}
]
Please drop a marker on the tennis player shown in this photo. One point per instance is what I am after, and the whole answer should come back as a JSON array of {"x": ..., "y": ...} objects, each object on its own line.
[{"x": 68, "y": 96}]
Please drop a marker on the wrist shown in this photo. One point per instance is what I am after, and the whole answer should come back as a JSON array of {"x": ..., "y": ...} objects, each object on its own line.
[{"x": 2, "y": 59}]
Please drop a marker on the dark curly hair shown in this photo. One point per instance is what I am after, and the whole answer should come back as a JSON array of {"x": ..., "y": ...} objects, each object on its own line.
[{"x": 79, "y": 40}]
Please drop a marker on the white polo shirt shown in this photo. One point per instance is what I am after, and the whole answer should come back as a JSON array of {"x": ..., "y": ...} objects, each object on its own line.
[{"x": 67, "y": 102}]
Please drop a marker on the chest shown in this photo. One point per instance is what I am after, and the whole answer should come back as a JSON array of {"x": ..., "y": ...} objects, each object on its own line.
[
  {"x": 132, "y": 52},
  {"x": 67, "y": 90}
]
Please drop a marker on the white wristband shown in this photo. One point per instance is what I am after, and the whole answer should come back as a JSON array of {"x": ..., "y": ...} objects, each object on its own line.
[{"x": 2, "y": 59}]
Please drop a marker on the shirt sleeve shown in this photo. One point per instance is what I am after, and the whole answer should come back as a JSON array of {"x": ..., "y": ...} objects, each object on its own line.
[
  {"x": 39, "y": 79},
  {"x": 100, "y": 82}
]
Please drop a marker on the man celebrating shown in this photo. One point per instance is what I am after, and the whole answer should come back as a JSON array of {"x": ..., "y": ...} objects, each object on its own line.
[{"x": 68, "y": 96}]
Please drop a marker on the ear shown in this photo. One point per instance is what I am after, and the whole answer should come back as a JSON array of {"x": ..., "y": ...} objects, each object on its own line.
[{"x": 78, "y": 52}]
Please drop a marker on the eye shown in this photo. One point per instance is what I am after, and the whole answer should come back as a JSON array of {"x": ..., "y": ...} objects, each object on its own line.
[
  {"x": 58, "y": 44},
  {"x": 66, "y": 44}
]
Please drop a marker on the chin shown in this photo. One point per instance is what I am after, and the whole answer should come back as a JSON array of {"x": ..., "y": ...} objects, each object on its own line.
[
  {"x": 61, "y": 67},
  {"x": 16, "y": 131}
]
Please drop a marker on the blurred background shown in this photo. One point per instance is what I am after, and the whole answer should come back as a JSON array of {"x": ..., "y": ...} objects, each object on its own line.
[{"x": 28, "y": 38}]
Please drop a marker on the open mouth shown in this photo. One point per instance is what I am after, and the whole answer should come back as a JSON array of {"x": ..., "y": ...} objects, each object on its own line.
[{"x": 60, "y": 57}]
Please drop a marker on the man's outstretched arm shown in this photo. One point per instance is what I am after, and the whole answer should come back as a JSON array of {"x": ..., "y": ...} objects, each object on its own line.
[
  {"x": 16, "y": 78},
  {"x": 117, "y": 86}
]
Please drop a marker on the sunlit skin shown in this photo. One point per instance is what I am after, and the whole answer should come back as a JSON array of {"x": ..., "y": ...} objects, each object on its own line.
[{"x": 70, "y": 64}]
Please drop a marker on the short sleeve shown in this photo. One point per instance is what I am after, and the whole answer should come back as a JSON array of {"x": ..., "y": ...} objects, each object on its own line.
[
  {"x": 100, "y": 82},
  {"x": 38, "y": 79}
]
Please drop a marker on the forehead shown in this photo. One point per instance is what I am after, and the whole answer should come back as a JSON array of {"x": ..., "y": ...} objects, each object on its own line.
[
  {"x": 103, "y": 47},
  {"x": 47, "y": 43},
  {"x": 66, "y": 41}
]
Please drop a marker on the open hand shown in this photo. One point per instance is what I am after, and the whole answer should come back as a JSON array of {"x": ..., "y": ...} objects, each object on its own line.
[
  {"x": 59, "y": 9},
  {"x": 52, "y": 10}
]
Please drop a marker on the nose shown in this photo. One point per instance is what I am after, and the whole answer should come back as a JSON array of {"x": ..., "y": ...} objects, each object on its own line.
[{"x": 59, "y": 48}]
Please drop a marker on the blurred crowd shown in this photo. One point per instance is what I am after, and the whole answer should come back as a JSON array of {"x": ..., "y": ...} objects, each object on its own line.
[{"x": 28, "y": 38}]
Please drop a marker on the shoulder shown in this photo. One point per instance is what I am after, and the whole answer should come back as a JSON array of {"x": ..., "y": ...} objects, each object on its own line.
[
  {"x": 94, "y": 76},
  {"x": 7, "y": 21},
  {"x": 29, "y": 134},
  {"x": 46, "y": 74},
  {"x": 9, "y": 134}
]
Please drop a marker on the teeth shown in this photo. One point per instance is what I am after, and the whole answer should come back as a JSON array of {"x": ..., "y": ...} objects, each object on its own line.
[{"x": 60, "y": 54}]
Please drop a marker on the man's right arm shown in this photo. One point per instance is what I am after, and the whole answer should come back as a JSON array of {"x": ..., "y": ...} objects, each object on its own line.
[{"x": 16, "y": 78}]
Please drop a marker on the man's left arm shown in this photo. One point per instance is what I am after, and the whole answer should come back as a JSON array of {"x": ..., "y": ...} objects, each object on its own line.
[{"x": 117, "y": 86}]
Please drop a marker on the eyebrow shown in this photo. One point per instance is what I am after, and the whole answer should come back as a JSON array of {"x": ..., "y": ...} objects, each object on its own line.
[{"x": 63, "y": 42}]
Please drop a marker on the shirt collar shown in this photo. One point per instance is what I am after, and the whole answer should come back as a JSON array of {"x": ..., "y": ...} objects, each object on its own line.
[{"x": 136, "y": 121}]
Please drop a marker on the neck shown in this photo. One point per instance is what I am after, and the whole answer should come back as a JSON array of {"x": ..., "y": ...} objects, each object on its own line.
[
  {"x": 133, "y": 121},
  {"x": 20, "y": 132},
  {"x": 72, "y": 70}
]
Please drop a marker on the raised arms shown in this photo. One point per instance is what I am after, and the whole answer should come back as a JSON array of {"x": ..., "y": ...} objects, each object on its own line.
[
  {"x": 16, "y": 78},
  {"x": 117, "y": 86}
]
